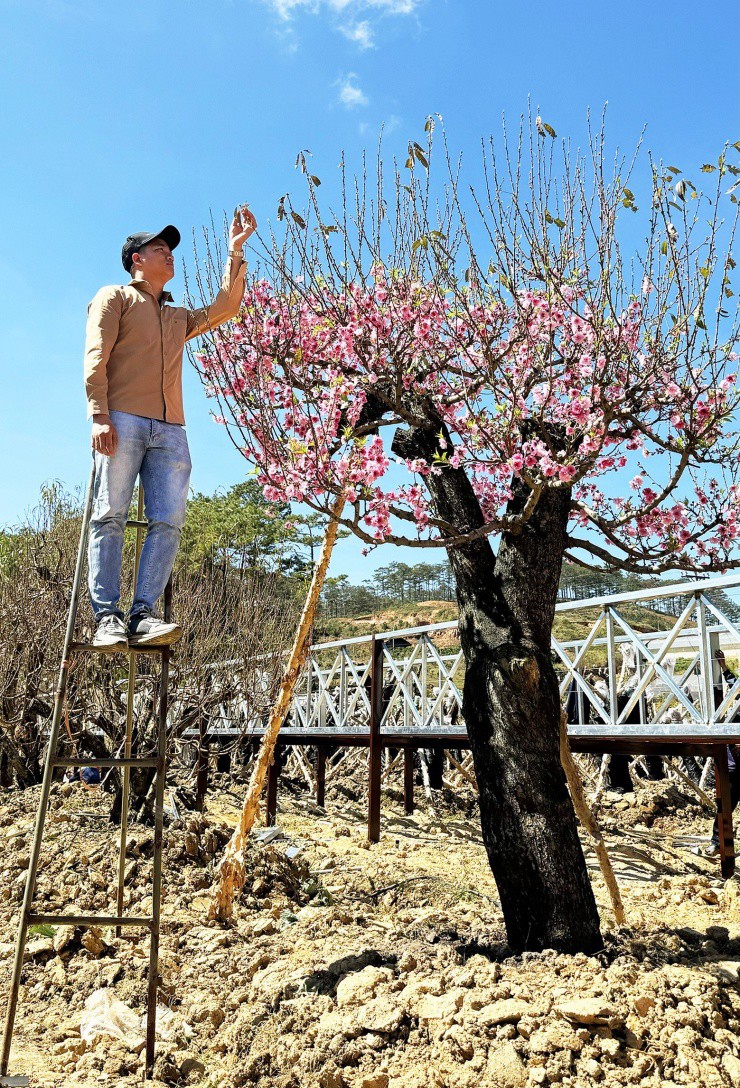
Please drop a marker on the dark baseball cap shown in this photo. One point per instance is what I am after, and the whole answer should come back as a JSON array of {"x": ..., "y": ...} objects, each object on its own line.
[{"x": 135, "y": 242}]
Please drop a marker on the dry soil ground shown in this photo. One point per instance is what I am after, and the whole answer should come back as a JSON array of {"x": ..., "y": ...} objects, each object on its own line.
[{"x": 385, "y": 966}]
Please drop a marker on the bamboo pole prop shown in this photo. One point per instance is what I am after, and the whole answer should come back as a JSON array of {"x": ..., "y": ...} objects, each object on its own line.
[
  {"x": 231, "y": 871},
  {"x": 588, "y": 820}
]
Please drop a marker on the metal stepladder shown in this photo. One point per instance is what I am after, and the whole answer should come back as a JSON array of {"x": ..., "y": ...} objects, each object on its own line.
[{"x": 28, "y": 915}]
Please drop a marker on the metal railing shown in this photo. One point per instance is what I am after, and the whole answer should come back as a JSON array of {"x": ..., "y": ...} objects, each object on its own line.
[{"x": 618, "y": 677}]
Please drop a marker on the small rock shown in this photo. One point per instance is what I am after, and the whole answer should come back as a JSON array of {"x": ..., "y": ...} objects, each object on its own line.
[
  {"x": 192, "y": 1070},
  {"x": 644, "y": 1004},
  {"x": 93, "y": 941},
  {"x": 361, "y": 985},
  {"x": 505, "y": 1068},
  {"x": 63, "y": 937},
  {"x": 589, "y": 1010},
  {"x": 610, "y": 1047},
  {"x": 380, "y": 1017},
  {"x": 592, "y": 1069},
  {"x": 375, "y": 1080},
  {"x": 728, "y": 970},
  {"x": 443, "y": 1007},
  {"x": 508, "y": 1011},
  {"x": 407, "y": 963},
  {"x": 264, "y": 927},
  {"x": 40, "y": 946},
  {"x": 260, "y": 888},
  {"x": 731, "y": 1066}
]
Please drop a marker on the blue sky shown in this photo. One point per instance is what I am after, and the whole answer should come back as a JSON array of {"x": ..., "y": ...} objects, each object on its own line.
[{"x": 118, "y": 118}]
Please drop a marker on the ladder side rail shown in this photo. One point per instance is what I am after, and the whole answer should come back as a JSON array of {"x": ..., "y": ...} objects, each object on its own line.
[
  {"x": 126, "y": 777},
  {"x": 49, "y": 768}
]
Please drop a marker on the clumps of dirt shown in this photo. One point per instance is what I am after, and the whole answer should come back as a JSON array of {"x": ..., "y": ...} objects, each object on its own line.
[
  {"x": 351, "y": 965},
  {"x": 406, "y": 1015},
  {"x": 653, "y": 802}
]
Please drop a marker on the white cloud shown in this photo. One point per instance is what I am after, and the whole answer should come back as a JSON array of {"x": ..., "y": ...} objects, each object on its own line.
[
  {"x": 373, "y": 129},
  {"x": 361, "y": 33},
  {"x": 350, "y": 94},
  {"x": 353, "y": 14},
  {"x": 286, "y": 8}
]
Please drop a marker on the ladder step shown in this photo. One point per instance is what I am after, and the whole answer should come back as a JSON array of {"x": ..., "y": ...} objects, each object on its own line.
[
  {"x": 35, "y": 918},
  {"x": 109, "y": 761},
  {"x": 87, "y": 647},
  {"x": 134, "y": 523}
]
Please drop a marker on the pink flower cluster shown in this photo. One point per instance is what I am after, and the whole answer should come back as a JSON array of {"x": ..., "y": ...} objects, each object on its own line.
[{"x": 544, "y": 388}]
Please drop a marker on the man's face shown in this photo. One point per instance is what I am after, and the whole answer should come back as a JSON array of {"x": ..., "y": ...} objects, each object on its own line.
[{"x": 154, "y": 262}]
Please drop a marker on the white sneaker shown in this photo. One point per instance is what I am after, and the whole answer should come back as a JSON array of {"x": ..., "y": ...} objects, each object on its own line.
[
  {"x": 110, "y": 634},
  {"x": 706, "y": 850},
  {"x": 148, "y": 630}
]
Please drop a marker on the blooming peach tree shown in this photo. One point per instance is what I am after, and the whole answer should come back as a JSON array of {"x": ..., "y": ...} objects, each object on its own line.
[{"x": 484, "y": 372}]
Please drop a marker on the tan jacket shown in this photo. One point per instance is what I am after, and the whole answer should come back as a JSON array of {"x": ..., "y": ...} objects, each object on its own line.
[{"x": 134, "y": 345}]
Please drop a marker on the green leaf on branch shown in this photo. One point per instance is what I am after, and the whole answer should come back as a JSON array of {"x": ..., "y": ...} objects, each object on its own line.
[{"x": 299, "y": 220}]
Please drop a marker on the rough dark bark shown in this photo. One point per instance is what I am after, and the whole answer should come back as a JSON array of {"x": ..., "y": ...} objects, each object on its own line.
[{"x": 511, "y": 706}]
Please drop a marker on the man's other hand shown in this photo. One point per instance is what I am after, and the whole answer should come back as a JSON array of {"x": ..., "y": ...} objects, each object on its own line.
[
  {"x": 243, "y": 226},
  {"x": 104, "y": 437}
]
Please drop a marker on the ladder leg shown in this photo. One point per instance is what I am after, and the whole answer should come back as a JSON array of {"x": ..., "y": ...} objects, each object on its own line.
[
  {"x": 126, "y": 778},
  {"x": 45, "y": 785},
  {"x": 151, "y": 1008}
]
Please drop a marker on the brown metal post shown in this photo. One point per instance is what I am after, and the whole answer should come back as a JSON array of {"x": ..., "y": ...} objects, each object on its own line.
[
  {"x": 130, "y": 692},
  {"x": 408, "y": 780},
  {"x": 151, "y": 1007},
  {"x": 273, "y": 775},
  {"x": 376, "y": 748},
  {"x": 321, "y": 776},
  {"x": 724, "y": 813}
]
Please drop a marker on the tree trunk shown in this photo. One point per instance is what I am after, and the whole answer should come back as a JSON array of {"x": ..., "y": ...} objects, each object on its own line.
[{"x": 511, "y": 705}]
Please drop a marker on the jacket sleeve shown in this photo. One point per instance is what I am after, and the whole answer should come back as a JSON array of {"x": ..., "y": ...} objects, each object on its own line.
[
  {"x": 103, "y": 321},
  {"x": 226, "y": 303}
]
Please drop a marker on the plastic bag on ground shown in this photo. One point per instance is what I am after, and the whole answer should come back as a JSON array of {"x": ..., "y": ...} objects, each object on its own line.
[{"x": 105, "y": 1015}]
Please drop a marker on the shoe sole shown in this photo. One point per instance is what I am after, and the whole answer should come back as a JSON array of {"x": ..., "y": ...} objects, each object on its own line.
[
  {"x": 110, "y": 647},
  {"x": 156, "y": 640}
]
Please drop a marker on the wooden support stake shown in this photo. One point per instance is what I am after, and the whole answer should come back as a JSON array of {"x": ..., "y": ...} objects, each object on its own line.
[
  {"x": 232, "y": 873},
  {"x": 376, "y": 750},
  {"x": 588, "y": 820}
]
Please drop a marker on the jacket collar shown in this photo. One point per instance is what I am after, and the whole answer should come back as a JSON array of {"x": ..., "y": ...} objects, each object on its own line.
[{"x": 144, "y": 285}]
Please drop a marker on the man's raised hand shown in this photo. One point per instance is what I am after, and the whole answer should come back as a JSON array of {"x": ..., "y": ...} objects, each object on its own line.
[{"x": 243, "y": 226}]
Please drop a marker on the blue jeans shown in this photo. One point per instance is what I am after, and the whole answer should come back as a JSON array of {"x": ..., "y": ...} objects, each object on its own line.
[{"x": 158, "y": 453}]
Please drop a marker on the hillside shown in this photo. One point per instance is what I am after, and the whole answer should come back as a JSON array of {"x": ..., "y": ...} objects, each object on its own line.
[{"x": 569, "y": 626}]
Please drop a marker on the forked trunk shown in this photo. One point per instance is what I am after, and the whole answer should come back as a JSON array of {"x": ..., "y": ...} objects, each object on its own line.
[{"x": 511, "y": 705}]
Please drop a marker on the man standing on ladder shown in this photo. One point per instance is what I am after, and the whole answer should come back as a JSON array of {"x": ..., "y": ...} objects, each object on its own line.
[{"x": 133, "y": 382}]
